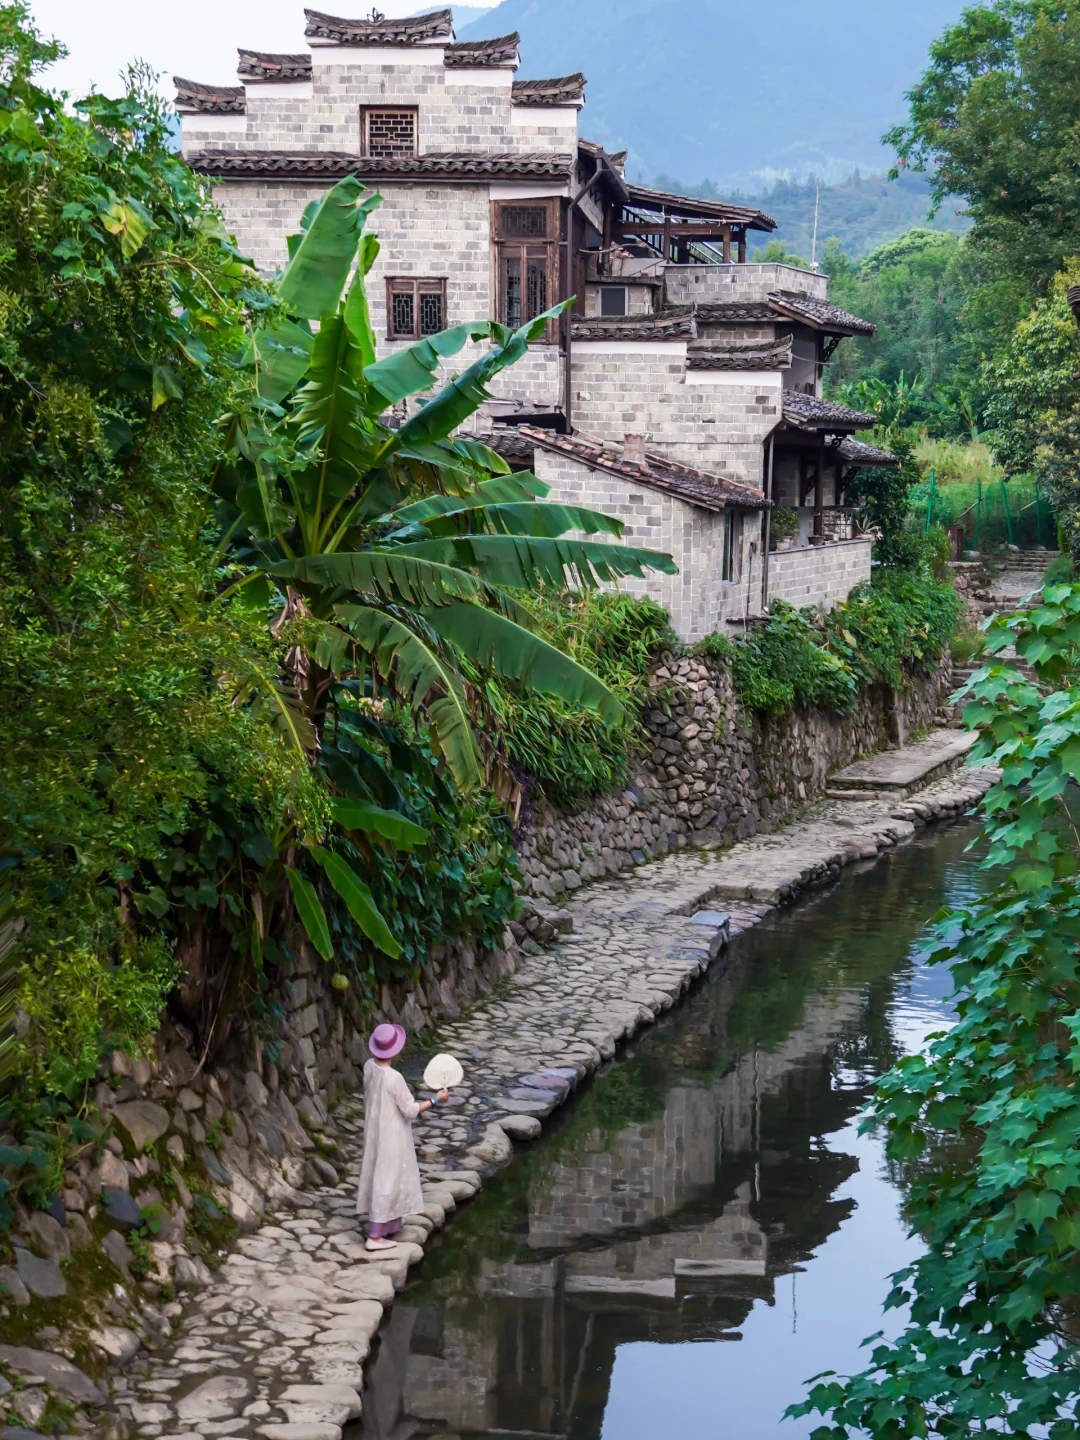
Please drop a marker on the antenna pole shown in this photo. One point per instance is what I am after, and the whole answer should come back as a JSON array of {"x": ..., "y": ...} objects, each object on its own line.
[{"x": 813, "y": 243}]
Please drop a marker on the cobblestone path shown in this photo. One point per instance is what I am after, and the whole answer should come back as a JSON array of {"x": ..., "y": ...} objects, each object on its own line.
[{"x": 275, "y": 1345}]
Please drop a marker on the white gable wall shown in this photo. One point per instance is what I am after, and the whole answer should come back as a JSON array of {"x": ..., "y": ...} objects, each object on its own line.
[{"x": 697, "y": 599}]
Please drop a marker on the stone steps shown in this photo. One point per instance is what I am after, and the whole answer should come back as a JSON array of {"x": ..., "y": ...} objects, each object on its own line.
[{"x": 902, "y": 772}]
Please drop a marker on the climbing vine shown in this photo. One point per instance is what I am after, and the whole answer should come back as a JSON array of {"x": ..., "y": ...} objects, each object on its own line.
[{"x": 986, "y": 1125}]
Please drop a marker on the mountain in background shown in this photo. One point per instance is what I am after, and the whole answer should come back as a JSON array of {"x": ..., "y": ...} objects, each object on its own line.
[{"x": 725, "y": 91}]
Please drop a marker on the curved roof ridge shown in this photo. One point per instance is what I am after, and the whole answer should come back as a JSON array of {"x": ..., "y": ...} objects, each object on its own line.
[
  {"x": 193, "y": 97},
  {"x": 270, "y": 65},
  {"x": 377, "y": 29},
  {"x": 499, "y": 52}
]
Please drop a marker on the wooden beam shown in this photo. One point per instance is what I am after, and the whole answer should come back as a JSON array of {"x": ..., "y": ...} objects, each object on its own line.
[
  {"x": 705, "y": 230},
  {"x": 819, "y": 487},
  {"x": 727, "y": 244},
  {"x": 742, "y": 246}
]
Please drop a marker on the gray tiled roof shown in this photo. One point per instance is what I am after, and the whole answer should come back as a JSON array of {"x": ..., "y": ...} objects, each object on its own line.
[
  {"x": 857, "y": 452},
  {"x": 749, "y": 355},
  {"x": 192, "y": 98},
  {"x": 819, "y": 313},
  {"x": 500, "y": 52},
  {"x": 694, "y": 207},
  {"x": 635, "y": 327},
  {"x": 810, "y": 412},
  {"x": 409, "y": 30},
  {"x": 261, "y": 65},
  {"x": 734, "y": 312},
  {"x": 696, "y": 487},
  {"x": 566, "y": 90},
  {"x": 333, "y": 164}
]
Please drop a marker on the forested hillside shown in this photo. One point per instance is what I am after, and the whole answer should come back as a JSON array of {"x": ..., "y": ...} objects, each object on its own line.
[{"x": 709, "y": 89}]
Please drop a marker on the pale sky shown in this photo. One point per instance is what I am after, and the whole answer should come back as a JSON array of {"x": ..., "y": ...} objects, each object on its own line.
[{"x": 193, "y": 38}]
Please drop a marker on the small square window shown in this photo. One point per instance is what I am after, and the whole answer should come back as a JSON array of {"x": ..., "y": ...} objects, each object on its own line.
[
  {"x": 613, "y": 300},
  {"x": 415, "y": 307},
  {"x": 387, "y": 131}
]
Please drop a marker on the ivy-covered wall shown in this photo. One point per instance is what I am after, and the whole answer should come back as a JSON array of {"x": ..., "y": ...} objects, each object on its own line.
[{"x": 716, "y": 771}]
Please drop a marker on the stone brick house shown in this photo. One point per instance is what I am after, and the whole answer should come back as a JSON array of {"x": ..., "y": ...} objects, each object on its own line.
[{"x": 685, "y": 380}]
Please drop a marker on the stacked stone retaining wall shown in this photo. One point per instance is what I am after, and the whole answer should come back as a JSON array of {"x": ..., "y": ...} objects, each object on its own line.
[{"x": 713, "y": 774}]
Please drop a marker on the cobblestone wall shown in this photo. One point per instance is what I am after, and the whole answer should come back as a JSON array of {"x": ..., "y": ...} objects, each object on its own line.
[{"x": 713, "y": 774}]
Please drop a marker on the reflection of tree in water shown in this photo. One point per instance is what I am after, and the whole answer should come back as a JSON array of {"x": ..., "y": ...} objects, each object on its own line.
[{"x": 678, "y": 1187}]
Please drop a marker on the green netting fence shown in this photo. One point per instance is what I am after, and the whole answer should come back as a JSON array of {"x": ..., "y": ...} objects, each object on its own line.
[{"x": 994, "y": 514}]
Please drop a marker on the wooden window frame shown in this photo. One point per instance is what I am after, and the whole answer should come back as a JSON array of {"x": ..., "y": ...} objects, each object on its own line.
[
  {"x": 548, "y": 247},
  {"x": 366, "y": 111},
  {"x": 416, "y": 285},
  {"x": 732, "y": 546},
  {"x": 624, "y": 291}
]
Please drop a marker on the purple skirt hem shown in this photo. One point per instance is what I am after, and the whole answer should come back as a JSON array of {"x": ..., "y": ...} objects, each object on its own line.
[{"x": 380, "y": 1229}]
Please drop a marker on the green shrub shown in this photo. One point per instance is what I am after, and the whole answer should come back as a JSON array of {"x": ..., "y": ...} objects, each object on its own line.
[
  {"x": 569, "y": 753},
  {"x": 886, "y": 631},
  {"x": 784, "y": 664}
]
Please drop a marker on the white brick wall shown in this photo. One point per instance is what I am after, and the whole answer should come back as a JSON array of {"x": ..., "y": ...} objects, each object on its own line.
[
  {"x": 819, "y": 574},
  {"x": 697, "y": 599},
  {"x": 423, "y": 229},
  {"x": 686, "y": 284},
  {"x": 458, "y": 110},
  {"x": 711, "y": 420}
]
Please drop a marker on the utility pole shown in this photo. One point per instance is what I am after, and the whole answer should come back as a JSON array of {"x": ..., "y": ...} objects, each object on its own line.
[{"x": 813, "y": 243}]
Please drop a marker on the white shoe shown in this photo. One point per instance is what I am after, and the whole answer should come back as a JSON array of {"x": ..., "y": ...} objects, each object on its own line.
[{"x": 381, "y": 1244}]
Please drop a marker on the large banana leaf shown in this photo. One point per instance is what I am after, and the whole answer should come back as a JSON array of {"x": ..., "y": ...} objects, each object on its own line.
[
  {"x": 523, "y": 518},
  {"x": 357, "y": 317},
  {"x": 315, "y": 277},
  {"x": 332, "y": 415},
  {"x": 358, "y": 899},
  {"x": 426, "y": 680},
  {"x": 414, "y": 369},
  {"x": 309, "y": 908},
  {"x": 468, "y": 391},
  {"x": 503, "y": 489},
  {"x": 282, "y": 352},
  {"x": 374, "y": 820},
  {"x": 400, "y": 578},
  {"x": 522, "y": 562},
  {"x": 513, "y": 653}
]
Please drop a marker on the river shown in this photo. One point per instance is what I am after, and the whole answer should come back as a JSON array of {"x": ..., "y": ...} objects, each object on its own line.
[{"x": 704, "y": 1229}]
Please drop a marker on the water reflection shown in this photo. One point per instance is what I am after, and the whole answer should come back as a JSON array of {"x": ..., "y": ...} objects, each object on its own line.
[{"x": 707, "y": 1228}]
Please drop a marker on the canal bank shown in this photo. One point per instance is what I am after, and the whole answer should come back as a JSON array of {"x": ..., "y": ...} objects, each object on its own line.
[{"x": 275, "y": 1345}]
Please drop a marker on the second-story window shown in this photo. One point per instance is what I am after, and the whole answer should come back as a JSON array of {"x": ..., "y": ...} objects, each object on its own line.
[
  {"x": 415, "y": 307},
  {"x": 388, "y": 130},
  {"x": 526, "y": 235}
]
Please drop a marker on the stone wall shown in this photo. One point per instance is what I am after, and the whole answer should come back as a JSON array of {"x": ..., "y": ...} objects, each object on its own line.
[{"x": 713, "y": 775}]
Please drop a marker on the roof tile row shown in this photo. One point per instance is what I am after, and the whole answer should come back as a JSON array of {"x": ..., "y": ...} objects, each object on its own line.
[{"x": 333, "y": 164}]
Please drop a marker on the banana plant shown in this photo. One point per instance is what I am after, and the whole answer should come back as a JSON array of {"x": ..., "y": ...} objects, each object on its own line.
[{"x": 351, "y": 503}]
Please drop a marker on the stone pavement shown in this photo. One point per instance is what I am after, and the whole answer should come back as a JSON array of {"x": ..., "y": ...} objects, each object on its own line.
[
  {"x": 275, "y": 1345},
  {"x": 899, "y": 772}
]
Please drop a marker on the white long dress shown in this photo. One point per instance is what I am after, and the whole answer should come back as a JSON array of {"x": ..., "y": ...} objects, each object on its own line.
[{"x": 389, "y": 1175}]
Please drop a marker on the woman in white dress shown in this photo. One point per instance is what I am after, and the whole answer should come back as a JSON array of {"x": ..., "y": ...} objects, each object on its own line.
[{"x": 389, "y": 1186}]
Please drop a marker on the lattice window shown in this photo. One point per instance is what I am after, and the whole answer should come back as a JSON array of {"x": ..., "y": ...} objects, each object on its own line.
[
  {"x": 415, "y": 307},
  {"x": 526, "y": 247},
  {"x": 386, "y": 131},
  {"x": 525, "y": 222}
]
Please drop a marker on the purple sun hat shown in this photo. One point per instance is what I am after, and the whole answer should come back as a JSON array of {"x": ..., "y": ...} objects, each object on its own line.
[{"x": 385, "y": 1041}]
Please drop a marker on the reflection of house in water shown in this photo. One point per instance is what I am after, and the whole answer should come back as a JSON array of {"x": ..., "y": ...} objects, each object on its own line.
[{"x": 667, "y": 1228}]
